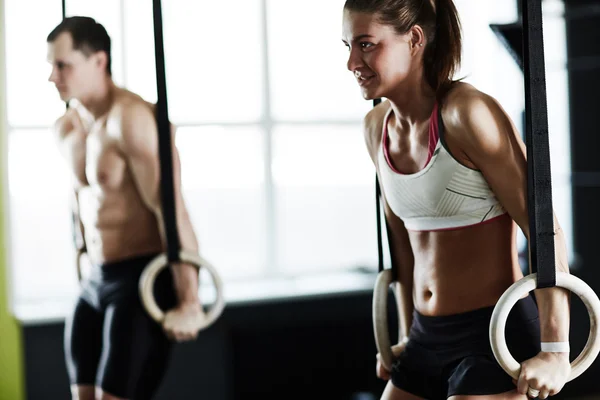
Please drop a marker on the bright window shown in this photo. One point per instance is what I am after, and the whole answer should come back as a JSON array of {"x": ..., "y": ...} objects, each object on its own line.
[
  {"x": 223, "y": 181},
  {"x": 309, "y": 79},
  {"x": 325, "y": 199},
  {"x": 31, "y": 101}
]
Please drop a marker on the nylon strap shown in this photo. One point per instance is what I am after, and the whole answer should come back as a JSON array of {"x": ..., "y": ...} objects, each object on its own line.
[
  {"x": 539, "y": 182},
  {"x": 167, "y": 188},
  {"x": 379, "y": 238}
]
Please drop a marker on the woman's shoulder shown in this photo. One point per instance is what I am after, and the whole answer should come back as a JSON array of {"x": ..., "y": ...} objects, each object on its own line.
[
  {"x": 463, "y": 104},
  {"x": 475, "y": 122},
  {"x": 461, "y": 95}
]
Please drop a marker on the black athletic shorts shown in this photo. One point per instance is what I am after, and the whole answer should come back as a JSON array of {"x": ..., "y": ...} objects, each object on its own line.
[
  {"x": 110, "y": 340},
  {"x": 451, "y": 355}
]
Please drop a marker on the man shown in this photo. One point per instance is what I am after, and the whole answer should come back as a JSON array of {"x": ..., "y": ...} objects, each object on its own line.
[{"x": 108, "y": 137}]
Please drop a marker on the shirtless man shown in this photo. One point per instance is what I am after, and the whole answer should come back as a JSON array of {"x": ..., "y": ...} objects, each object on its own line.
[{"x": 108, "y": 137}]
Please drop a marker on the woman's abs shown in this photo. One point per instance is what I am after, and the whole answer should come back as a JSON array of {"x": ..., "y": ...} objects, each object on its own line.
[{"x": 466, "y": 269}]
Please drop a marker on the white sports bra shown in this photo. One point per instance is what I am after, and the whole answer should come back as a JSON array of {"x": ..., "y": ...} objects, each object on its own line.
[{"x": 444, "y": 194}]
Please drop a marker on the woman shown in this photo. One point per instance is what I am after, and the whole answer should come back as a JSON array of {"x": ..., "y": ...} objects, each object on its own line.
[{"x": 452, "y": 169}]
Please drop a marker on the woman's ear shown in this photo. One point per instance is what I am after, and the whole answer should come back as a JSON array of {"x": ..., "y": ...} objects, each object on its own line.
[{"x": 417, "y": 37}]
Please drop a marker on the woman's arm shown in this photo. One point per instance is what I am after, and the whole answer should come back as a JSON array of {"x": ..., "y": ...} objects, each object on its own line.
[
  {"x": 478, "y": 125},
  {"x": 402, "y": 258},
  {"x": 401, "y": 254}
]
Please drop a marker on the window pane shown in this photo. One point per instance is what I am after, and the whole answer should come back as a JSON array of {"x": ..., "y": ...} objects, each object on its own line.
[
  {"x": 301, "y": 87},
  {"x": 26, "y": 67},
  {"x": 213, "y": 58},
  {"x": 223, "y": 184},
  {"x": 555, "y": 34},
  {"x": 560, "y": 151},
  {"x": 485, "y": 61},
  {"x": 43, "y": 260},
  {"x": 325, "y": 196},
  {"x": 140, "y": 70},
  {"x": 107, "y": 13}
]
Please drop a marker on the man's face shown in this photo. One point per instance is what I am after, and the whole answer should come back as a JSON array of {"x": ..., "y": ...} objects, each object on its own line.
[{"x": 73, "y": 73}]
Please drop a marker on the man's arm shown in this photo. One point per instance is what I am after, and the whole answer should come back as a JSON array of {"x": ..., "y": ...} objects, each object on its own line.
[
  {"x": 62, "y": 128},
  {"x": 140, "y": 145},
  {"x": 490, "y": 140}
]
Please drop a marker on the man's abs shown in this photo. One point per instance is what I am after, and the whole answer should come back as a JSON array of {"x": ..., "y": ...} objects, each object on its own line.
[{"x": 117, "y": 224}]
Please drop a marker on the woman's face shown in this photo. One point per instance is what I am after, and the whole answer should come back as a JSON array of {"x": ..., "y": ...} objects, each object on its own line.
[{"x": 379, "y": 58}]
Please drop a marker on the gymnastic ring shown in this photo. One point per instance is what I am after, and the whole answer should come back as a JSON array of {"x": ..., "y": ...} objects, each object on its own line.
[
  {"x": 380, "y": 317},
  {"x": 519, "y": 289},
  {"x": 151, "y": 271}
]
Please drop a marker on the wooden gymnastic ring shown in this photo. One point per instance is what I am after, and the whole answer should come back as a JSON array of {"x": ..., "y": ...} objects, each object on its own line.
[
  {"x": 380, "y": 317},
  {"x": 151, "y": 271},
  {"x": 518, "y": 290}
]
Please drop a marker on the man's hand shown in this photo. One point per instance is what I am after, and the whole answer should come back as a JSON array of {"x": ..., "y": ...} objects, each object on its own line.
[
  {"x": 546, "y": 372},
  {"x": 183, "y": 322},
  {"x": 383, "y": 373}
]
